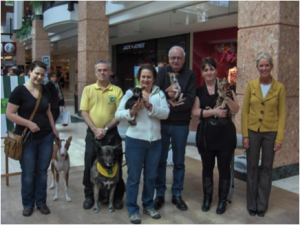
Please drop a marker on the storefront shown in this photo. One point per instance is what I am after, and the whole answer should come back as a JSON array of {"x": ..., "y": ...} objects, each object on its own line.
[
  {"x": 145, "y": 52},
  {"x": 219, "y": 44}
]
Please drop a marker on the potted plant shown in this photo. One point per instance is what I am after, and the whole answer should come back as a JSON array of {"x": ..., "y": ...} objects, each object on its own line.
[
  {"x": 37, "y": 7},
  {"x": 25, "y": 30}
]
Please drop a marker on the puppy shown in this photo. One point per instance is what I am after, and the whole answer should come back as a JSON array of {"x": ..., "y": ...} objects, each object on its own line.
[
  {"x": 60, "y": 162},
  {"x": 137, "y": 93},
  {"x": 175, "y": 87},
  {"x": 105, "y": 174}
]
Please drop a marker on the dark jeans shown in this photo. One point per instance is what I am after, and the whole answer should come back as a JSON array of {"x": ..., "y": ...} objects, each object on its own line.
[
  {"x": 113, "y": 138},
  {"x": 223, "y": 160},
  {"x": 259, "y": 178},
  {"x": 34, "y": 163}
]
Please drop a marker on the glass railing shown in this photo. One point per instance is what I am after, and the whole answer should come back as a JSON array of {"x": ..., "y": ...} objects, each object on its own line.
[{"x": 52, "y": 3}]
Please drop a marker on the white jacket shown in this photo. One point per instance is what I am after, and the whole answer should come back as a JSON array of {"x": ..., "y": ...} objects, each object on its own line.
[{"x": 148, "y": 123}]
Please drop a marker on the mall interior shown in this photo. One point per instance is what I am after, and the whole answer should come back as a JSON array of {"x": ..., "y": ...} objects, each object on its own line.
[{"x": 72, "y": 35}]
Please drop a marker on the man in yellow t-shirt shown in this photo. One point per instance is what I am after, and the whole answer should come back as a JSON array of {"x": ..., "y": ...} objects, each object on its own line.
[{"x": 98, "y": 105}]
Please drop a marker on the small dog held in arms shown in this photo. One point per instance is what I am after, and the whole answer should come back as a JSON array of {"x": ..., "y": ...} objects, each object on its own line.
[
  {"x": 137, "y": 93},
  {"x": 105, "y": 174},
  {"x": 60, "y": 163},
  {"x": 175, "y": 87}
]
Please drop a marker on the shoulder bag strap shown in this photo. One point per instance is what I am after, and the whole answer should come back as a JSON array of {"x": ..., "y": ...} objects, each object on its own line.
[{"x": 34, "y": 111}]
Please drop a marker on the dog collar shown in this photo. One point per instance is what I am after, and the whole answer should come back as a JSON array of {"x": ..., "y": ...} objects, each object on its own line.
[{"x": 107, "y": 172}]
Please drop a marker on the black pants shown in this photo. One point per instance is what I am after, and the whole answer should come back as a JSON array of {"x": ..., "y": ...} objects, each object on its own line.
[
  {"x": 208, "y": 163},
  {"x": 113, "y": 138}
]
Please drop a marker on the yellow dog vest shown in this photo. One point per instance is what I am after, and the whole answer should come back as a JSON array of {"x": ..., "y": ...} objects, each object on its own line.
[{"x": 107, "y": 172}]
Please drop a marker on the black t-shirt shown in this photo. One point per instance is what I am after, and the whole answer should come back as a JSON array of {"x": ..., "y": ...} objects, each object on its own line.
[{"x": 20, "y": 96}]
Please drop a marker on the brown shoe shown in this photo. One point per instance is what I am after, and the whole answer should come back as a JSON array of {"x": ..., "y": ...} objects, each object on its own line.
[
  {"x": 27, "y": 211},
  {"x": 44, "y": 209}
]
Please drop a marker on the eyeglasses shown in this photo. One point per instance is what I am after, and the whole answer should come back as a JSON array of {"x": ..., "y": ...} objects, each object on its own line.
[
  {"x": 174, "y": 58},
  {"x": 104, "y": 71}
]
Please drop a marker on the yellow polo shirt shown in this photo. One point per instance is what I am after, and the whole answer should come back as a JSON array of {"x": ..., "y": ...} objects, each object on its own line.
[{"x": 101, "y": 104}]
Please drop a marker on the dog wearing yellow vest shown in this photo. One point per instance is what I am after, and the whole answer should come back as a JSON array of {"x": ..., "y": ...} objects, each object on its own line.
[{"x": 105, "y": 174}]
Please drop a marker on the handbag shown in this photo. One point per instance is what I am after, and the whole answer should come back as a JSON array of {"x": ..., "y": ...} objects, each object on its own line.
[
  {"x": 64, "y": 118},
  {"x": 13, "y": 143}
]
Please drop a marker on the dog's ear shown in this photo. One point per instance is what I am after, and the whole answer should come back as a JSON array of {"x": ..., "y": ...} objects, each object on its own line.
[
  {"x": 119, "y": 146},
  {"x": 68, "y": 142},
  {"x": 177, "y": 74}
]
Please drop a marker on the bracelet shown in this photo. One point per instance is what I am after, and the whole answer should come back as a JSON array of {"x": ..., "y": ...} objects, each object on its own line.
[
  {"x": 201, "y": 114},
  {"x": 149, "y": 106}
]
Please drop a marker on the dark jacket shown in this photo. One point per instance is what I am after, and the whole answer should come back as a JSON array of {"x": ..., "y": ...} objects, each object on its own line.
[
  {"x": 180, "y": 115},
  {"x": 55, "y": 102}
]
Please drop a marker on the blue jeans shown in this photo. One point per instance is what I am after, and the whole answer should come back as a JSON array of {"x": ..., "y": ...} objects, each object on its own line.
[
  {"x": 178, "y": 136},
  {"x": 34, "y": 165},
  {"x": 141, "y": 155}
]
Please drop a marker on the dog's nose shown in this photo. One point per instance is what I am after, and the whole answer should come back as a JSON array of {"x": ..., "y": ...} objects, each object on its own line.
[{"x": 62, "y": 154}]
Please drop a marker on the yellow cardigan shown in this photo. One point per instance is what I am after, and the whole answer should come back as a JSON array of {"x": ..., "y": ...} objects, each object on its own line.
[{"x": 266, "y": 114}]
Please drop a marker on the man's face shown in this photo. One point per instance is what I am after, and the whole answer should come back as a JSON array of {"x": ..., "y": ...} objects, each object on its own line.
[
  {"x": 102, "y": 72},
  {"x": 176, "y": 59}
]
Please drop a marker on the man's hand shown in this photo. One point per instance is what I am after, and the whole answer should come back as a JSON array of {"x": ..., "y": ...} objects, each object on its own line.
[{"x": 99, "y": 133}]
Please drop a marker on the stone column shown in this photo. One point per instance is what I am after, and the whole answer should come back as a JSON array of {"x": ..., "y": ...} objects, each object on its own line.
[
  {"x": 92, "y": 40},
  {"x": 20, "y": 56},
  {"x": 40, "y": 40},
  {"x": 273, "y": 28}
]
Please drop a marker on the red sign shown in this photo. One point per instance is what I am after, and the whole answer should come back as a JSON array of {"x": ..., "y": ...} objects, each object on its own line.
[{"x": 9, "y": 49}]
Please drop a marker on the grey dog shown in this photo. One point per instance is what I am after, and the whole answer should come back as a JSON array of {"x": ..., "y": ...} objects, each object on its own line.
[{"x": 105, "y": 174}]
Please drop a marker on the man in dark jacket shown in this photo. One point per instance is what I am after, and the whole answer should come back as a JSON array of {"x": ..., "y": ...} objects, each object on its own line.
[{"x": 175, "y": 128}]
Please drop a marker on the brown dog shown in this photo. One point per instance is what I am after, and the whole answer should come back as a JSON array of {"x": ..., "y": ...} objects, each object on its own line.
[
  {"x": 175, "y": 87},
  {"x": 60, "y": 162}
]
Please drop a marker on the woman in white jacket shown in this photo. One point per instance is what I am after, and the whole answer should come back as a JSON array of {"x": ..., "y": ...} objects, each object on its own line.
[{"x": 143, "y": 141}]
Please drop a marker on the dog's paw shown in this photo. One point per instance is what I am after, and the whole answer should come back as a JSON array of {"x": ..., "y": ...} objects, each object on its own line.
[
  {"x": 55, "y": 198},
  {"x": 68, "y": 199},
  {"x": 96, "y": 209},
  {"x": 51, "y": 187}
]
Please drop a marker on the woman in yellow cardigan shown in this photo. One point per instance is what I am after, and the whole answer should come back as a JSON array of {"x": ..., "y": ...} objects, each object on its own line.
[{"x": 263, "y": 122}]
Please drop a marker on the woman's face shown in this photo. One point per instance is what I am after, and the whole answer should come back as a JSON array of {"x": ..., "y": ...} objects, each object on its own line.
[
  {"x": 146, "y": 79},
  {"x": 209, "y": 73},
  {"x": 264, "y": 68},
  {"x": 37, "y": 75}
]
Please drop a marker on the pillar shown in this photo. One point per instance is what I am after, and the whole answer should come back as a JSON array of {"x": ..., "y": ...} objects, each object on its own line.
[
  {"x": 40, "y": 40},
  {"x": 92, "y": 41},
  {"x": 273, "y": 28},
  {"x": 20, "y": 56}
]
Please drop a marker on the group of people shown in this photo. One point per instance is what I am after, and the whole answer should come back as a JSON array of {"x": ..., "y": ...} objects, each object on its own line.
[{"x": 158, "y": 124}]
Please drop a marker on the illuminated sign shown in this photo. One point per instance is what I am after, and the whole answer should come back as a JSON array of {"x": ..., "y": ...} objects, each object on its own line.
[
  {"x": 134, "y": 46},
  {"x": 9, "y": 48}
]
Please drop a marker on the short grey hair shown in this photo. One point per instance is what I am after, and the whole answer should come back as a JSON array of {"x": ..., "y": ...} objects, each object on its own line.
[
  {"x": 176, "y": 47},
  {"x": 264, "y": 56},
  {"x": 102, "y": 61}
]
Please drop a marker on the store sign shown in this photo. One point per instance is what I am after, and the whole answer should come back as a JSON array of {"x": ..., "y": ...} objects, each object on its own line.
[
  {"x": 8, "y": 63},
  {"x": 228, "y": 56},
  {"x": 9, "y": 49},
  {"x": 134, "y": 46},
  {"x": 46, "y": 60}
]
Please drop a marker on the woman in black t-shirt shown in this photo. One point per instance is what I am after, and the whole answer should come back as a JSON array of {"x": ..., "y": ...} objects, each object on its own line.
[
  {"x": 37, "y": 149},
  {"x": 216, "y": 139}
]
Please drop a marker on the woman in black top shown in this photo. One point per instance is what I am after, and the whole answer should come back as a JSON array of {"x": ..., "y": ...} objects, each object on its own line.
[
  {"x": 37, "y": 149},
  {"x": 214, "y": 139}
]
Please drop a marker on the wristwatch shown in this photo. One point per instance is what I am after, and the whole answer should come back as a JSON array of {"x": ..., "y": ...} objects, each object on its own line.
[{"x": 106, "y": 128}]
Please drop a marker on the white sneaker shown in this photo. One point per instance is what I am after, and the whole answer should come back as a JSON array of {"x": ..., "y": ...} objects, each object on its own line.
[
  {"x": 135, "y": 218},
  {"x": 152, "y": 213}
]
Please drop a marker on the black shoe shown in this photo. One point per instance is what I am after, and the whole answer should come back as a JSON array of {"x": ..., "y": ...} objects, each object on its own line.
[
  {"x": 221, "y": 206},
  {"x": 180, "y": 204},
  {"x": 44, "y": 209},
  {"x": 27, "y": 211},
  {"x": 252, "y": 212},
  {"x": 158, "y": 201},
  {"x": 118, "y": 204},
  {"x": 88, "y": 203},
  {"x": 261, "y": 213},
  {"x": 223, "y": 193}
]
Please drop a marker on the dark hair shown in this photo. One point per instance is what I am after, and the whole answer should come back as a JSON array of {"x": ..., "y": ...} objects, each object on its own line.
[
  {"x": 208, "y": 61},
  {"x": 52, "y": 74},
  {"x": 38, "y": 64},
  {"x": 146, "y": 67}
]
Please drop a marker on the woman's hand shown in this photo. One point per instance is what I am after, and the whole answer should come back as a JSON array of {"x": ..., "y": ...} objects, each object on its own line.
[
  {"x": 137, "y": 106},
  {"x": 220, "y": 112},
  {"x": 277, "y": 146},
  {"x": 33, "y": 127},
  {"x": 246, "y": 142}
]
